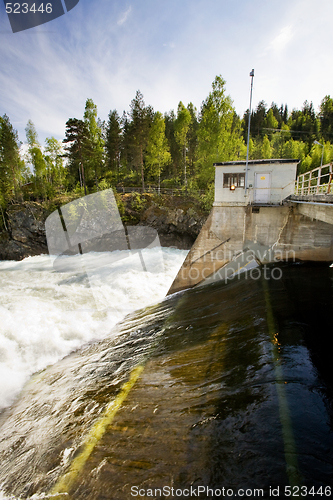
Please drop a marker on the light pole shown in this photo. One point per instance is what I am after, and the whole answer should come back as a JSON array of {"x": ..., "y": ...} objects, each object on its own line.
[
  {"x": 322, "y": 155},
  {"x": 248, "y": 135}
]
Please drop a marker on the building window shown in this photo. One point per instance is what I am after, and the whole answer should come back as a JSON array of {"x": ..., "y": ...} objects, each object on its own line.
[{"x": 237, "y": 180}]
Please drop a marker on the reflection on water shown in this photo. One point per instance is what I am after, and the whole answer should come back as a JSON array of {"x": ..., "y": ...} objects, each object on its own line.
[{"x": 236, "y": 391}]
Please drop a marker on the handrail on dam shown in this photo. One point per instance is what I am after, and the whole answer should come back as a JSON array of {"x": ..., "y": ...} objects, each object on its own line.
[
  {"x": 316, "y": 181},
  {"x": 277, "y": 194}
]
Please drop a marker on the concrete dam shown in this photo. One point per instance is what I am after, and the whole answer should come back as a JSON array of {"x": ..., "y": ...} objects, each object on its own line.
[{"x": 263, "y": 224}]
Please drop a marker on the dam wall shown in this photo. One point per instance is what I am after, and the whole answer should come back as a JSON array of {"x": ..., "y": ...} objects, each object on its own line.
[{"x": 235, "y": 237}]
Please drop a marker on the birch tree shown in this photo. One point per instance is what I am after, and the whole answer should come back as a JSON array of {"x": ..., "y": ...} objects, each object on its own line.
[{"x": 158, "y": 154}]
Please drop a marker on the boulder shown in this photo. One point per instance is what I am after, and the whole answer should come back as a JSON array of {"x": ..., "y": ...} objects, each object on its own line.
[{"x": 25, "y": 234}]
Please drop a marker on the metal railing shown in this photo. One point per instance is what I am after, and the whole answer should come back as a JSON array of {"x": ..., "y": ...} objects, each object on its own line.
[
  {"x": 316, "y": 181},
  {"x": 276, "y": 195},
  {"x": 169, "y": 191}
]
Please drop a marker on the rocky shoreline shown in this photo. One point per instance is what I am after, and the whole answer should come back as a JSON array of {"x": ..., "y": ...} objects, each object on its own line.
[
  {"x": 23, "y": 226},
  {"x": 23, "y": 231}
]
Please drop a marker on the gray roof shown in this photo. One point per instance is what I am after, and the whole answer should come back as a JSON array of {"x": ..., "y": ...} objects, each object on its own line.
[{"x": 256, "y": 162}]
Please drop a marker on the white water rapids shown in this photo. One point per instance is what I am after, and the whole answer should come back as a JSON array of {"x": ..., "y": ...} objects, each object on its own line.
[{"x": 45, "y": 315}]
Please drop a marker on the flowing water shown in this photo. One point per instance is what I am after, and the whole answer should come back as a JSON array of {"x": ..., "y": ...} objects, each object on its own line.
[
  {"x": 225, "y": 386},
  {"x": 44, "y": 315}
]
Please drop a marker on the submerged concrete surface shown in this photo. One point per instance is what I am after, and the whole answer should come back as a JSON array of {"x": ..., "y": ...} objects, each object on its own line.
[
  {"x": 179, "y": 425},
  {"x": 231, "y": 376},
  {"x": 265, "y": 234}
]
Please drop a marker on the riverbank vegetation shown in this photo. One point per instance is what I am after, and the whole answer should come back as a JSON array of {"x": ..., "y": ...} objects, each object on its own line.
[{"x": 145, "y": 149}]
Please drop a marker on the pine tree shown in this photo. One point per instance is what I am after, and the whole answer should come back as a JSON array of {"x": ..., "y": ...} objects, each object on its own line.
[
  {"x": 257, "y": 120},
  {"x": 182, "y": 126},
  {"x": 113, "y": 140},
  {"x": 326, "y": 118},
  {"x": 192, "y": 138},
  {"x": 176, "y": 153},
  {"x": 77, "y": 140},
  {"x": 304, "y": 124},
  {"x": 141, "y": 120},
  {"x": 126, "y": 151},
  {"x": 10, "y": 163},
  {"x": 95, "y": 143}
]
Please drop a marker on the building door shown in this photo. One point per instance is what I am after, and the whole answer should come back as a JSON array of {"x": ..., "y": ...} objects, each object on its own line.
[{"x": 262, "y": 188}]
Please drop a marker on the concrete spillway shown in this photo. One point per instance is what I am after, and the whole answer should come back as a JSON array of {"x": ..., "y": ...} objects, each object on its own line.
[
  {"x": 222, "y": 386},
  {"x": 235, "y": 236}
]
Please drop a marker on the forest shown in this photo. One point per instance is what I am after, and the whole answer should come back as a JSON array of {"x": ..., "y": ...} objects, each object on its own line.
[{"x": 145, "y": 149}]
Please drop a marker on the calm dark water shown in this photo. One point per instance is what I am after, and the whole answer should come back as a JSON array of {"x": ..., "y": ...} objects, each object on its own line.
[{"x": 236, "y": 391}]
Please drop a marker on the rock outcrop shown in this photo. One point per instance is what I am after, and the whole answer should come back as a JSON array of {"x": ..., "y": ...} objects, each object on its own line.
[
  {"x": 176, "y": 227},
  {"x": 23, "y": 233},
  {"x": 23, "y": 228}
]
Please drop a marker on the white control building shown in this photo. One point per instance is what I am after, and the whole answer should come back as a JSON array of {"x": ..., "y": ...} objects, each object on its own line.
[{"x": 269, "y": 182}]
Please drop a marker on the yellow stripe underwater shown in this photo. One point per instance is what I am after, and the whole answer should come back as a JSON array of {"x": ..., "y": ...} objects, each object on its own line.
[
  {"x": 286, "y": 424},
  {"x": 95, "y": 434}
]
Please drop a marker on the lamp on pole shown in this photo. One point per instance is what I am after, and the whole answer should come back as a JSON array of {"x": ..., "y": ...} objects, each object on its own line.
[
  {"x": 248, "y": 135},
  {"x": 322, "y": 154}
]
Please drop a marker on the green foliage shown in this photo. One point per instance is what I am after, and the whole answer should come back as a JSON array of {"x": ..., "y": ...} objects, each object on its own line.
[
  {"x": 55, "y": 170},
  {"x": 120, "y": 204},
  {"x": 257, "y": 119},
  {"x": 219, "y": 133},
  {"x": 78, "y": 190},
  {"x": 175, "y": 168},
  {"x": 266, "y": 149},
  {"x": 192, "y": 139},
  {"x": 11, "y": 166},
  {"x": 104, "y": 184},
  {"x": 185, "y": 138},
  {"x": 158, "y": 154},
  {"x": 182, "y": 124},
  {"x": 85, "y": 149},
  {"x": 138, "y": 128},
  {"x": 174, "y": 150},
  {"x": 173, "y": 182},
  {"x": 294, "y": 149},
  {"x": 326, "y": 118},
  {"x": 94, "y": 148},
  {"x": 315, "y": 155},
  {"x": 207, "y": 199},
  {"x": 31, "y": 135},
  {"x": 270, "y": 124},
  {"x": 36, "y": 159},
  {"x": 77, "y": 141},
  {"x": 265, "y": 122},
  {"x": 138, "y": 202},
  {"x": 113, "y": 144},
  {"x": 304, "y": 124}
]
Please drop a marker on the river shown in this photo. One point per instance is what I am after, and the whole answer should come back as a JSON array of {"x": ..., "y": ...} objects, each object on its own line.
[{"x": 213, "y": 392}]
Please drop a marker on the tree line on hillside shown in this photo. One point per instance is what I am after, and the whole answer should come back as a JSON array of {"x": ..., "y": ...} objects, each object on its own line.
[{"x": 144, "y": 147}]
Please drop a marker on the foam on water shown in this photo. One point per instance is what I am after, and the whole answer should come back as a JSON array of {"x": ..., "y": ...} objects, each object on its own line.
[{"x": 44, "y": 315}]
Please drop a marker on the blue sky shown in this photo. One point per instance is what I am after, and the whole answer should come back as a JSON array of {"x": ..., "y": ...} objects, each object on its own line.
[{"x": 170, "y": 50}]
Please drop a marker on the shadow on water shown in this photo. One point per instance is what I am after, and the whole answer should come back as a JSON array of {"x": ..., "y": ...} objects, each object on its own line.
[{"x": 235, "y": 392}]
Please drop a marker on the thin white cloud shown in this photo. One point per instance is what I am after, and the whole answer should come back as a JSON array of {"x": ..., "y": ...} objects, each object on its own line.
[
  {"x": 171, "y": 45},
  {"x": 48, "y": 77},
  {"x": 282, "y": 39},
  {"x": 124, "y": 16}
]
